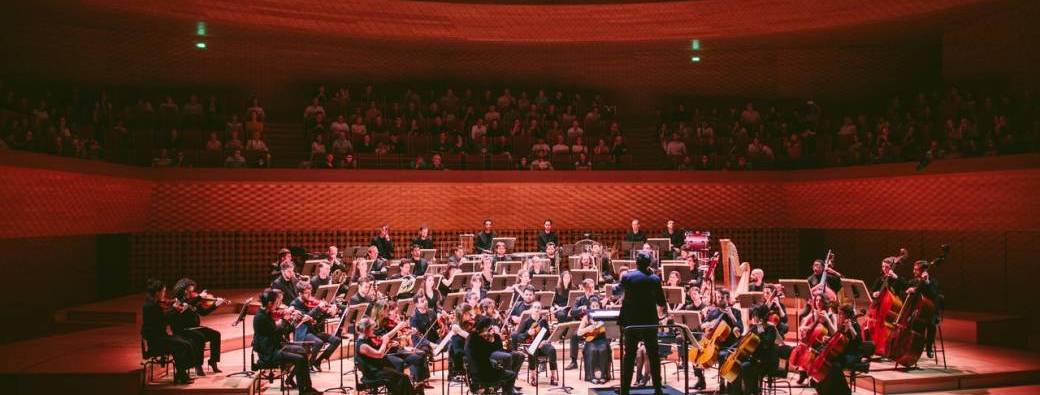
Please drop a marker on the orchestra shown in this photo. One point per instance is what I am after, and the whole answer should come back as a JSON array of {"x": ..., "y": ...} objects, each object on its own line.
[{"x": 486, "y": 328}]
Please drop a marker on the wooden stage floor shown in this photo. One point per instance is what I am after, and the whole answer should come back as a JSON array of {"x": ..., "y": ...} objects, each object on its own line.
[{"x": 107, "y": 360}]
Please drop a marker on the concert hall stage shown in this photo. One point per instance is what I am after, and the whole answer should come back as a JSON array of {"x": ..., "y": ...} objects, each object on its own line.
[{"x": 109, "y": 357}]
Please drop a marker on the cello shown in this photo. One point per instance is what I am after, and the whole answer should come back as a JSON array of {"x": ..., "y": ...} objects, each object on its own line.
[
  {"x": 730, "y": 369},
  {"x": 884, "y": 309},
  {"x": 813, "y": 335},
  {"x": 820, "y": 366},
  {"x": 708, "y": 353},
  {"x": 908, "y": 338}
]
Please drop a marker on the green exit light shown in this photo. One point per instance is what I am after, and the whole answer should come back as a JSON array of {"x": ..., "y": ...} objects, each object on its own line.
[
  {"x": 696, "y": 45},
  {"x": 695, "y": 59},
  {"x": 200, "y": 28},
  {"x": 200, "y": 45}
]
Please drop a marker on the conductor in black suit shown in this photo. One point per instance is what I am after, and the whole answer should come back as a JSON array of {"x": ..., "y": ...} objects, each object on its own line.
[{"x": 641, "y": 288}]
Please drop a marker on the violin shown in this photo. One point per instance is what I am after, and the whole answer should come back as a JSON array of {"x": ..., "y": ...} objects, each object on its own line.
[
  {"x": 205, "y": 301},
  {"x": 170, "y": 305},
  {"x": 291, "y": 315}
]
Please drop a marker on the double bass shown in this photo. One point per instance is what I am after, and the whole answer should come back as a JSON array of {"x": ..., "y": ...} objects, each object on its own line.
[
  {"x": 884, "y": 311},
  {"x": 908, "y": 339}
]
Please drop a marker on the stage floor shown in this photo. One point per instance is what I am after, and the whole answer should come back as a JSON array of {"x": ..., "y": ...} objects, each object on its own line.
[{"x": 109, "y": 357}]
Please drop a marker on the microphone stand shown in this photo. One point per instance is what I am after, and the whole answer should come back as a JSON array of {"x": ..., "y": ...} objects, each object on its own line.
[{"x": 246, "y": 372}]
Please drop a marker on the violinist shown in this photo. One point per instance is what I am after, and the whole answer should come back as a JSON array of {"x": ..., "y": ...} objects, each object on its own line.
[
  {"x": 286, "y": 281},
  {"x": 597, "y": 351},
  {"x": 384, "y": 246},
  {"x": 696, "y": 275},
  {"x": 483, "y": 349},
  {"x": 458, "y": 256},
  {"x": 269, "y": 331},
  {"x": 365, "y": 293},
  {"x": 314, "y": 331},
  {"x": 538, "y": 266},
  {"x": 360, "y": 270},
  {"x": 388, "y": 320},
  {"x": 523, "y": 281},
  {"x": 423, "y": 239},
  {"x": 284, "y": 255},
  {"x": 489, "y": 310},
  {"x": 777, "y": 313},
  {"x": 547, "y": 236},
  {"x": 186, "y": 323},
  {"x": 373, "y": 360},
  {"x": 445, "y": 285},
  {"x": 889, "y": 279},
  {"x": 525, "y": 333},
  {"x": 674, "y": 279},
  {"x": 419, "y": 264},
  {"x": 585, "y": 262},
  {"x": 924, "y": 284},
  {"x": 461, "y": 326},
  {"x": 426, "y": 326},
  {"x": 377, "y": 266},
  {"x": 561, "y": 293},
  {"x": 476, "y": 285},
  {"x": 322, "y": 275},
  {"x": 521, "y": 305},
  {"x": 487, "y": 272},
  {"x": 153, "y": 330}
]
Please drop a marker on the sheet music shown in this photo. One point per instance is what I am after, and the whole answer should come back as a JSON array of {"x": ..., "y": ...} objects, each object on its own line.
[
  {"x": 537, "y": 341},
  {"x": 443, "y": 344}
]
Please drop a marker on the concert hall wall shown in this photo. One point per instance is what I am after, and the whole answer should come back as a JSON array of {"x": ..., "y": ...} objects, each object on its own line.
[{"x": 223, "y": 227}]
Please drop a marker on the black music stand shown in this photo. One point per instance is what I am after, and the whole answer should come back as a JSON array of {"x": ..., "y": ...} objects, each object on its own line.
[
  {"x": 343, "y": 388},
  {"x": 503, "y": 298},
  {"x": 662, "y": 244},
  {"x": 351, "y": 291},
  {"x": 560, "y": 334},
  {"x": 240, "y": 320},
  {"x": 798, "y": 289},
  {"x": 310, "y": 266},
  {"x": 617, "y": 263},
  {"x": 468, "y": 266},
  {"x": 437, "y": 269},
  {"x": 406, "y": 306},
  {"x": 428, "y": 253},
  {"x": 384, "y": 286},
  {"x": 627, "y": 246}
]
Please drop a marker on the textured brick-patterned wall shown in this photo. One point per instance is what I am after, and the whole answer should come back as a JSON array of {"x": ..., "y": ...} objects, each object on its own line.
[{"x": 42, "y": 202}]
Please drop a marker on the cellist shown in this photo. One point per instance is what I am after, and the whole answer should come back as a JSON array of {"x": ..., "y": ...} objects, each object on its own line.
[
  {"x": 847, "y": 325},
  {"x": 929, "y": 288},
  {"x": 723, "y": 311},
  {"x": 820, "y": 316}
]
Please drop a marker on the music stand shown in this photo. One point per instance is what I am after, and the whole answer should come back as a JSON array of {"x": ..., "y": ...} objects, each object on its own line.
[
  {"x": 617, "y": 263},
  {"x": 453, "y": 299},
  {"x": 437, "y": 268},
  {"x": 343, "y": 318},
  {"x": 627, "y": 246},
  {"x": 351, "y": 291},
  {"x": 674, "y": 296},
  {"x": 685, "y": 275},
  {"x": 800, "y": 291},
  {"x": 579, "y": 276},
  {"x": 460, "y": 280},
  {"x": 508, "y": 267},
  {"x": 428, "y": 253},
  {"x": 502, "y": 281},
  {"x": 240, "y": 320},
  {"x": 406, "y": 306},
  {"x": 501, "y": 297},
  {"x": 748, "y": 299},
  {"x": 384, "y": 286},
  {"x": 468, "y": 265},
  {"x": 563, "y": 331},
  {"x": 660, "y": 244},
  {"x": 855, "y": 292},
  {"x": 358, "y": 252},
  {"x": 509, "y": 241},
  {"x": 309, "y": 267},
  {"x": 691, "y": 319},
  {"x": 573, "y": 296},
  {"x": 545, "y": 298},
  {"x": 327, "y": 292},
  {"x": 544, "y": 282},
  {"x": 573, "y": 260}
]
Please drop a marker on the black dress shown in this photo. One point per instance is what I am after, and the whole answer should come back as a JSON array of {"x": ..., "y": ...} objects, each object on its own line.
[
  {"x": 373, "y": 369},
  {"x": 597, "y": 357}
]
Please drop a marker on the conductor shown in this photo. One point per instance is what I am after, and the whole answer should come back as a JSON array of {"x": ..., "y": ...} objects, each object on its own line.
[{"x": 642, "y": 289}]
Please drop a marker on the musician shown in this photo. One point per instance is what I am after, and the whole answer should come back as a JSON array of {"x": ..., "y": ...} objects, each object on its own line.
[
  {"x": 607, "y": 274},
  {"x": 387, "y": 318},
  {"x": 538, "y": 266},
  {"x": 269, "y": 331},
  {"x": 522, "y": 305},
  {"x": 487, "y": 271},
  {"x": 364, "y": 293},
  {"x": 419, "y": 263},
  {"x": 833, "y": 285},
  {"x": 408, "y": 281},
  {"x": 694, "y": 302},
  {"x": 724, "y": 311},
  {"x": 360, "y": 270},
  {"x": 456, "y": 258},
  {"x": 446, "y": 281},
  {"x": 924, "y": 284},
  {"x": 561, "y": 293},
  {"x": 382, "y": 242},
  {"x": 286, "y": 282},
  {"x": 525, "y": 333},
  {"x": 334, "y": 261},
  {"x": 523, "y": 282},
  {"x": 674, "y": 279},
  {"x": 889, "y": 279},
  {"x": 374, "y": 362},
  {"x": 556, "y": 263},
  {"x": 314, "y": 331},
  {"x": 819, "y": 315},
  {"x": 585, "y": 262},
  {"x": 676, "y": 236},
  {"x": 547, "y": 236},
  {"x": 642, "y": 289},
  {"x": 458, "y": 332},
  {"x": 500, "y": 254},
  {"x": 187, "y": 323},
  {"x": 429, "y": 291},
  {"x": 153, "y": 330},
  {"x": 635, "y": 234},
  {"x": 481, "y": 350},
  {"x": 424, "y": 240},
  {"x": 489, "y": 309},
  {"x": 322, "y": 275},
  {"x": 476, "y": 285},
  {"x": 377, "y": 265},
  {"x": 846, "y": 324},
  {"x": 696, "y": 275},
  {"x": 482, "y": 242},
  {"x": 426, "y": 329},
  {"x": 473, "y": 298},
  {"x": 284, "y": 255},
  {"x": 773, "y": 301},
  {"x": 756, "y": 283},
  {"x": 597, "y": 351},
  {"x": 764, "y": 358}
]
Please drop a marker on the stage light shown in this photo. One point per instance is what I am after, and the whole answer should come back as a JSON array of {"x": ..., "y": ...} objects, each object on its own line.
[
  {"x": 695, "y": 59},
  {"x": 200, "y": 45}
]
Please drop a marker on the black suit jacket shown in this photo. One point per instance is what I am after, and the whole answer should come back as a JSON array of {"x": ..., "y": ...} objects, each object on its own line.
[
  {"x": 642, "y": 292},
  {"x": 267, "y": 337},
  {"x": 153, "y": 320},
  {"x": 545, "y": 238}
]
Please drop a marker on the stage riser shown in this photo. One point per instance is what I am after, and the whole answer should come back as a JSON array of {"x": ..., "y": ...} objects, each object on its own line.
[
  {"x": 71, "y": 383},
  {"x": 954, "y": 382}
]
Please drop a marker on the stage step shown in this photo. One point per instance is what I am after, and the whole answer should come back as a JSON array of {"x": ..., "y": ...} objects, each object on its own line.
[
  {"x": 984, "y": 328},
  {"x": 1017, "y": 390}
]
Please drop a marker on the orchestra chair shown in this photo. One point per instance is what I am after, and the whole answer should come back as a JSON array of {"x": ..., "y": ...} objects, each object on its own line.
[
  {"x": 861, "y": 368},
  {"x": 938, "y": 345},
  {"x": 270, "y": 372},
  {"x": 150, "y": 358},
  {"x": 777, "y": 376},
  {"x": 581, "y": 361},
  {"x": 368, "y": 385},
  {"x": 480, "y": 387},
  {"x": 543, "y": 366}
]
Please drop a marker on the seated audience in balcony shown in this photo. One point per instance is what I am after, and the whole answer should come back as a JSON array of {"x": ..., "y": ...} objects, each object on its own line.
[
  {"x": 522, "y": 164},
  {"x": 235, "y": 160},
  {"x": 583, "y": 162},
  {"x": 366, "y": 146},
  {"x": 256, "y": 146},
  {"x": 540, "y": 162},
  {"x": 214, "y": 144},
  {"x": 340, "y": 126},
  {"x": 234, "y": 125},
  {"x": 234, "y": 142},
  {"x": 601, "y": 147},
  {"x": 255, "y": 108},
  {"x": 579, "y": 146},
  {"x": 342, "y": 145},
  {"x": 255, "y": 125},
  {"x": 561, "y": 147},
  {"x": 437, "y": 162},
  {"x": 348, "y": 162},
  {"x": 575, "y": 130},
  {"x": 163, "y": 160},
  {"x": 540, "y": 145},
  {"x": 327, "y": 161},
  {"x": 419, "y": 163},
  {"x": 318, "y": 147}
]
